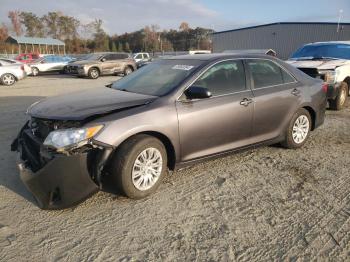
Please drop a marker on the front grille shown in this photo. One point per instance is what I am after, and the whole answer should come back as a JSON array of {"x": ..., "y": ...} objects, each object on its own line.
[{"x": 313, "y": 72}]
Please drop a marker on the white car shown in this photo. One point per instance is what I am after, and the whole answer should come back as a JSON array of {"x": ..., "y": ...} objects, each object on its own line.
[
  {"x": 6, "y": 61},
  {"x": 11, "y": 73},
  {"x": 329, "y": 61},
  {"x": 50, "y": 63}
]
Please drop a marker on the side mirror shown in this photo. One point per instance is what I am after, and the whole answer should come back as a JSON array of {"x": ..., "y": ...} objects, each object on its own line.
[
  {"x": 197, "y": 92},
  {"x": 103, "y": 59}
]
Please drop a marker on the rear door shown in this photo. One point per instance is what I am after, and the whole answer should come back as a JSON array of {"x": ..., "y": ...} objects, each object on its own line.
[
  {"x": 276, "y": 98},
  {"x": 222, "y": 122}
]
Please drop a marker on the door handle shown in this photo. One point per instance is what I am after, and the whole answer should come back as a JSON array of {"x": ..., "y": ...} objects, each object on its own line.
[
  {"x": 296, "y": 92},
  {"x": 246, "y": 101}
]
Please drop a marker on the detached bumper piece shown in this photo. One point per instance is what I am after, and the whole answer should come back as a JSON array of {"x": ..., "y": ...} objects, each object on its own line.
[{"x": 57, "y": 181}]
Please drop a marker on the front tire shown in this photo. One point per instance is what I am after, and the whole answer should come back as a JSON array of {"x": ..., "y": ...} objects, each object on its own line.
[
  {"x": 339, "y": 102},
  {"x": 298, "y": 129},
  {"x": 139, "y": 166},
  {"x": 8, "y": 79},
  {"x": 35, "y": 71},
  {"x": 128, "y": 70},
  {"x": 93, "y": 73}
]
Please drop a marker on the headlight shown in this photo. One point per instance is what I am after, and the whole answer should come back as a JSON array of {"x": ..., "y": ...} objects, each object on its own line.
[
  {"x": 329, "y": 76},
  {"x": 67, "y": 137}
]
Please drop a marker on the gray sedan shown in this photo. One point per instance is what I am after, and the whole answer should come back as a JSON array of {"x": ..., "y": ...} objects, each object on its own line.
[{"x": 169, "y": 114}]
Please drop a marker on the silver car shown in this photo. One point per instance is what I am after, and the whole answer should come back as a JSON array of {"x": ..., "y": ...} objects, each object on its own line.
[
  {"x": 51, "y": 63},
  {"x": 11, "y": 72}
]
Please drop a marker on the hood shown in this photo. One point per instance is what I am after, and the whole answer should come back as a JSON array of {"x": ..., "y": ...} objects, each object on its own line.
[
  {"x": 318, "y": 64},
  {"x": 84, "y": 104},
  {"x": 85, "y": 62}
]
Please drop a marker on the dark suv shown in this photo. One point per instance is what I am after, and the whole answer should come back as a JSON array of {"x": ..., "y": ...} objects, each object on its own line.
[
  {"x": 170, "y": 113},
  {"x": 96, "y": 64}
]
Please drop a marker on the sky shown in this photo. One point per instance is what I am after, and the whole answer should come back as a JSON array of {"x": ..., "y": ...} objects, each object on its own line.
[{"x": 120, "y": 16}]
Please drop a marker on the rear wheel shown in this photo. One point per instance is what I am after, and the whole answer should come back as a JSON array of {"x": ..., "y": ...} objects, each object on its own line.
[
  {"x": 298, "y": 129},
  {"x": 94, "y": 73},
  {"x": 139, "y": 166},
  {"x": 8, "y": 79},
  {"x": 35, "y": 71},
  {"x": 339, "y": 102}
]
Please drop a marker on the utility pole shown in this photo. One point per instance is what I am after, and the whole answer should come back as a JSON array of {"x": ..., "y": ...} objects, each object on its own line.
[{"x": 339, "y": 19}]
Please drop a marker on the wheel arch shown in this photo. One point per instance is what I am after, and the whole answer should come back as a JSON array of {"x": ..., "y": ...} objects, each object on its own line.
[{"x": 312, "y": 113}]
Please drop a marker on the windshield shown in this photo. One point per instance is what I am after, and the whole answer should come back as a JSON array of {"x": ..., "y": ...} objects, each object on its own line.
[
  {"x": 336, "y": 51},
  {"x": 157, "y": 78},
  {"x": 92, "y": 56}
]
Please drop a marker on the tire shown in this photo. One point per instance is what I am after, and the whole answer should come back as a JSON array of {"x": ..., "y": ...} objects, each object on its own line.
[
  {"x": 295, "y": 136},
  {"x": 35, "y": 71},
  {"x": 8, "y": 79},
  {"x": 128, "y": 70},
  {"x": 94, "y": 73},
  {"x": 340, "y": 101},
  {"x": 126, "y": 175}
]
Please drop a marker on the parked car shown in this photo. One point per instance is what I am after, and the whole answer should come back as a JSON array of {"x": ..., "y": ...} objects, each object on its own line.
[
  {"x": 6, "y": 61},
  {"x": 166, "y": 115},
  {"x": 329, "y": 61},
  {"x": 141, "y": 58},
  {"x": 27, "y": 57},
  {"x": 96, "y": 64},
  {"x": 50, "y": 63},
  {"x": 10, "y": 73}
]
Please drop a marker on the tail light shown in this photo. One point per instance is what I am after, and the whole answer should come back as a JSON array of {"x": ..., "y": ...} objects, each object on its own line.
[{"x": 325, "y": 87}]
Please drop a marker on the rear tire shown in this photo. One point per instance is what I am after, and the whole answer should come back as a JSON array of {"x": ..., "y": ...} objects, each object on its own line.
[
  {"x": 93, "y": 73},
  {"x": 340, "y": 101},
  {"x": 298, "y": 129},
  {"x": 139, "y": 166},
  {"x": 8, "y": 79}
]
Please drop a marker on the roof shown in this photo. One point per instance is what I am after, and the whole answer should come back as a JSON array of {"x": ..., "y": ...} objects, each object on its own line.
[
  {"x": 34, "y": 40},
  {"x": 330, "y": 43},
  {"x": 210, "y": 57},
  {"x": 250, "y": 51},
  {"x": 282, "y": 23}
]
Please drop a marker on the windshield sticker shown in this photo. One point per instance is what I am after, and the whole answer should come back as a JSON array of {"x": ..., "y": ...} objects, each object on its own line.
[{"x": 182, "y": 67}]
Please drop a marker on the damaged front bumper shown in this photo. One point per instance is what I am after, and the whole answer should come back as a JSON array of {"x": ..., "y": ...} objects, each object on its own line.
[{"x": 58, "y": 180}]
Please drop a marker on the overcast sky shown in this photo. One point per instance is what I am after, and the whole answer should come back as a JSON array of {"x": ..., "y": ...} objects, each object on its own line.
[{"x": 121, "y": 16}]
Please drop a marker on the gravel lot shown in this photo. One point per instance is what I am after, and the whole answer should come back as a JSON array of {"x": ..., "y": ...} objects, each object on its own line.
[{"x": 264, "y": 204}]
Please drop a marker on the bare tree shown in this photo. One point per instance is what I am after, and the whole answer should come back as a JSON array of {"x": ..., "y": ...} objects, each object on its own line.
[{"x": 15, "y": 21}]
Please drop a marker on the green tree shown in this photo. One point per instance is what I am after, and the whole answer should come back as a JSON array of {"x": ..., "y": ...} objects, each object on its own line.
[
  {"x": 127, "y": 47},
  {"x": 100, "y": 36},
  {"x": 33, "y": 24},
  {"x": 114, "y": 48}
]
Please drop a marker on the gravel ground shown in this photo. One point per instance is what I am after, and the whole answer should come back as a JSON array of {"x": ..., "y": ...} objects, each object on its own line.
[{"x": 264, "y": 204}]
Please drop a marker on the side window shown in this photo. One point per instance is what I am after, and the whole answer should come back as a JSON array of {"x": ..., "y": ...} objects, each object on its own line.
[
  {"x": 109, "y": 57},
  {"x": 139, "y": 56},
  {"x": 34, "y": 56},
  {"x": 223, "y": 78},
  {"x": 265, "y": 73},
  {"x": 287, "y": 78}
]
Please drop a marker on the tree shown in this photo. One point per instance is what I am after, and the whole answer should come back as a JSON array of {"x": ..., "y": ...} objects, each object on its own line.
[
  {"x": 3, "y": 32},
  {"x": 33, "y": 24},
  {"x": 100, "y": 36},
  {"x": 127, "y": 47},
  {"x": 15, "y": 21},
  {"x": 67, "y": 27},
  {"x": 114, "y": 48},
  {"x": 51, "y": 20},
  {"x": 184, "y": 27}
]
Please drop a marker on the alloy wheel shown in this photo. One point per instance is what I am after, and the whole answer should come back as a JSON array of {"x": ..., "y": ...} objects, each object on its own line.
[
  {"x": 342, "y": 97},
  {"x": 8, "y": 79},
  {"x": 301, "y": 129},
  {"x": 147, "y": 169},
  {"x": 94, "y": 73}
]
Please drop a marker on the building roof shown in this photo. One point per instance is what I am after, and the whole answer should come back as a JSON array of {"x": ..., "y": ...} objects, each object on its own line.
[
  {"x": 34, "y": 40},
  {"x": 282, "y": 23}
]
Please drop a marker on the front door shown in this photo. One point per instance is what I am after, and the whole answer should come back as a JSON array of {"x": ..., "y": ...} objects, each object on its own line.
[{"x": 222, "y": 122}]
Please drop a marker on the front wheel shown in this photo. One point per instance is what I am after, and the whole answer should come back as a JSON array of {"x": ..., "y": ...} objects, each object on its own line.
[
  {"x": 8, "y": 79},
  {"x": 139, "y": 166},
  {"x": 128, "y": 70},
  {"x": 339, "y": 102},
  {"x": 298, "y": 129},
  {"x": 94, "y": 73},
  {"x": 35, "y": 71}
]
